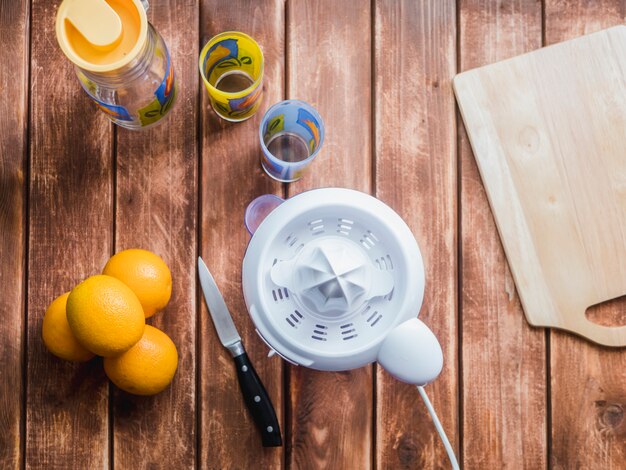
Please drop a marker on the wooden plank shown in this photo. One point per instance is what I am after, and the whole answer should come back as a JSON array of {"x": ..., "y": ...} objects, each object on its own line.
[
  {"x": 504, "y": 370},
  {"x": 14, "y": 36},
  {"x": 329, "y": 66},
  {"x": 231, "y": 178},
  {"x": 70, "y": 220},
  {"x": 588, "y": 382},
  {"x": 156, "y": 209},
  {"x": 416, "y": 175}
]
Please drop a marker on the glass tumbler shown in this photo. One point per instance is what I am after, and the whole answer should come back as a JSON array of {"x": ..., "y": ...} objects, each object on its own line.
[
  {"x": 231, "y": 66},
  {"x": 291, "y": 134}
]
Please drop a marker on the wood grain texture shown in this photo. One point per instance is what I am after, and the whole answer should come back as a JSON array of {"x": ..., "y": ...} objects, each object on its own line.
[
  {"x": 178, "y": 200},
  {"x": 156, "y": 209},
  {"x": 329, "y": 66},
  {"x": 14, "y": 37},
  {"x": 588, "y": 383},
  {"x": 231, "y": 178},
  {"x": 504, "y": 371},
  {"x": 70, "y": 238},
  {"x": 416, "y": 175},
  {"x": 552, "y": 167}
]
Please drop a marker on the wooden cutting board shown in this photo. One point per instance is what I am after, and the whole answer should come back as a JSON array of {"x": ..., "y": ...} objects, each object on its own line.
[{"x": 548, "y": 130}]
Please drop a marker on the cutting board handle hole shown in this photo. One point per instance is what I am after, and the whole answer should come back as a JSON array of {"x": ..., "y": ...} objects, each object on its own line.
[{"x": 609, "y": 313}]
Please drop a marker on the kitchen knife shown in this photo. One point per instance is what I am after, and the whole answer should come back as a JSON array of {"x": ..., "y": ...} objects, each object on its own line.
[{"x": 254, "y": 394}]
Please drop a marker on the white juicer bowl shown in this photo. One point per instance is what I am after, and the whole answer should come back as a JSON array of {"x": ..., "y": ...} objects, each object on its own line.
[{"x": 334, "y": 280}]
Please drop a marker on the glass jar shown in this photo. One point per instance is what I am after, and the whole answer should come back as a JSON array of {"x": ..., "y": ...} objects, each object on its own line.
[{"x": 139, "y": 94}]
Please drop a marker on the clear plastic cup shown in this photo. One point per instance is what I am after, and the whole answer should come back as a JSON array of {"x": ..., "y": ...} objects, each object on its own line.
[{"x": 258, "y": 209}]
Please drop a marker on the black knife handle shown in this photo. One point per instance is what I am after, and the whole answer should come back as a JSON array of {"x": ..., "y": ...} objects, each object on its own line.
[{"x": 258, "y": 402}]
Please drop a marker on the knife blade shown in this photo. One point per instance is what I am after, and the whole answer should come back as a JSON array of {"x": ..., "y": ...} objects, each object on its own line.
[
  {"x": 256, "y": 398},
  {"x": 226, "y": 330}
]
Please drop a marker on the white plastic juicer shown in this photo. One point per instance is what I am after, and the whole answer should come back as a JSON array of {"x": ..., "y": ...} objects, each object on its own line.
[{"x": 334, "y": 280}]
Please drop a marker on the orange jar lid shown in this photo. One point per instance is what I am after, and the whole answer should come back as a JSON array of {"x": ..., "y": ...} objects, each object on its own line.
[{"x": 101, "y": 35}]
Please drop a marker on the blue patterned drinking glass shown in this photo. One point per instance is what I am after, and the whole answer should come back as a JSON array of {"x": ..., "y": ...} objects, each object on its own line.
[{"x": 291, "y": 134}]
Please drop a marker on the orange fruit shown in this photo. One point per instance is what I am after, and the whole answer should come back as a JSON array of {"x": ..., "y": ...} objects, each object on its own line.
[
  {"x": 57, "y": 336},
  {"x": 146, "y": 368},
  {"x": 105, "y": 315},
  {"x": 146, "y": 274}
]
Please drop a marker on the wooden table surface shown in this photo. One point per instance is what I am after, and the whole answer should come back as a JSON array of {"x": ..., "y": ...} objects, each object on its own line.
[{"x": 74, "y": 189}]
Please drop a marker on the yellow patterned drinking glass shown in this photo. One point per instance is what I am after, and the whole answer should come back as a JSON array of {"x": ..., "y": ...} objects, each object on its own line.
[{"x": 231, "y": 65}]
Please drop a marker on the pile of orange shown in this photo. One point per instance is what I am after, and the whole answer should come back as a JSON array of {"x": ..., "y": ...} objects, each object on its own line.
[{"x": 105, "y": 315}]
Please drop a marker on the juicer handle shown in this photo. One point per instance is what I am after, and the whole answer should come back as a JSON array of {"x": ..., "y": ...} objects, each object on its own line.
[
  {"x": 411, "y": 353},
  {"x": 258, "y": 209}
]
